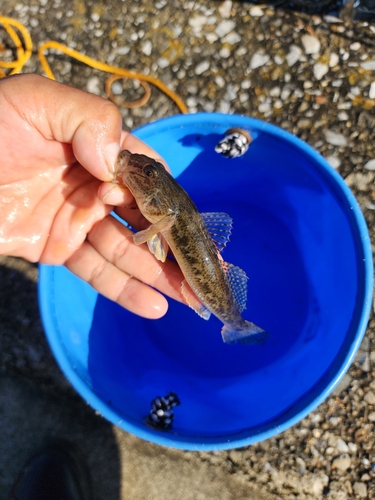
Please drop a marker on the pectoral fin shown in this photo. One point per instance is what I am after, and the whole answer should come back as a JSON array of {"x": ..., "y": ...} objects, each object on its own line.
[
  {"x": 155, "y": 241},
  {"x": 158, "y": 246},
  {"x": 193, "y": 301}
]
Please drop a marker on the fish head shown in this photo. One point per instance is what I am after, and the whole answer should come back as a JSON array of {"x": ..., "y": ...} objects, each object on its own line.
[{"x": 148, "y": 181}]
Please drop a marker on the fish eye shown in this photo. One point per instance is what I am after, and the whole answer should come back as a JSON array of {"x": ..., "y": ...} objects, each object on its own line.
[{"x": 150, "y": 171}]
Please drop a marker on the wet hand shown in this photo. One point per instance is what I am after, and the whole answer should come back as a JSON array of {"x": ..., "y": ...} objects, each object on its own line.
[{"x": 58, "y": 147}]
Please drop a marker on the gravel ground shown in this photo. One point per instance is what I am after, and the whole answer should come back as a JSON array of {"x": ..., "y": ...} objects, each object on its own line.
[{"x": 313, "y": 76}]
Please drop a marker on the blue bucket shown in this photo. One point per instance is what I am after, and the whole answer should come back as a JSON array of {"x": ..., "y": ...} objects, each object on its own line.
[{"x": 301, "y": 238}]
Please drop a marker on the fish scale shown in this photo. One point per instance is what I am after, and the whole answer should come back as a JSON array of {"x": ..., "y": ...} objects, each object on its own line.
[{"x": 196, "y": 240}]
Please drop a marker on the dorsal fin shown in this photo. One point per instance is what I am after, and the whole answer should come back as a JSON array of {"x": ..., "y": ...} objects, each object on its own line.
[
  {"x": 219, "y": 225},
  {"x": 237, "y": 280}
]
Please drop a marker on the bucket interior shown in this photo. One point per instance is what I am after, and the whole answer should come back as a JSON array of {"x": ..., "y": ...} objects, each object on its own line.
[{"x": 294, "y": 235}]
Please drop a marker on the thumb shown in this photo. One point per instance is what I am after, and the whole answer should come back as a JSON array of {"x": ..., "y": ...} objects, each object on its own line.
[
  {"x": 96, "y": 140},
  {"x": 91, "y": 124}
]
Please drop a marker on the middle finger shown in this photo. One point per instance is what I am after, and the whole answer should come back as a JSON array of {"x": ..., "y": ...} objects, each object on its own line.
[{"x": 114, "y": 242}]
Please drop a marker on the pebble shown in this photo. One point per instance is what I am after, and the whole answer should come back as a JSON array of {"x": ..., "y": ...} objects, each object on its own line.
[
  {"x": 232, "y": 38},
  {"x": 343, "y": 462},
  {"x": 191, "y": 102},
  {"x": 293, "y": 55},
  {"x": 311, "y": 44},
  {"x": 337, "y": 83},
  {"x": 303, "y": 107},
  {"x": 348, "y": 486},
  {"x": 122, "y": 51},
  {"x": 365, "y": 346},
  {"x": 334, "y": 421},
  {"x": 264, "y": 107},
  {"x": 317, "y": 433},
  {"x": 259, "y": 60},
  {"x": 307, "y": 84},
  {"x": 256, "y": 12},
  {"x": 362, "y": 358},
  {"x": 93, "y": 85},
  {"x": 286, "y": 91},
  {"x": 344, "y": 54},
  {"x": 224, "y": 28},
  {"x": 116, "y": 88},
  {"x": 219, "y": 80},
  {"x": 335, "y": 138},
  {"x": 278, "y": 59},
  {"x": 343, "y": 116},
  {"x": 202, "y": 67},
  {"x": 197, "y": 22},
  {"x": 371, "y": 92},
  {"x": 369, "y": 398},
  {"x": 360, "y": 489},
  {"x": 333, "y": 60},
  {"x": 317, "y": 486},
  {"x": 224, "y": 107},
  {"x": 211, "y": 37},
  {"x": 316, "y": 418},
  {"x": 320, "y": 70},
  {"x": 352, "y": 448},
  {"x": 368, "y": 65},
  {"x": 370, "y": 165},
  {"x": 347, "y": 379},
  {"x": 163, "y": 62},
  {"x": 231, "y": 93},
  {"x": 224, "y": 52},
  {"x": 225, "y": 9},
  {"x": 341, "y": 446},
  {"x": 304, "y": 123},
  {"x": 147, "y": 47}
]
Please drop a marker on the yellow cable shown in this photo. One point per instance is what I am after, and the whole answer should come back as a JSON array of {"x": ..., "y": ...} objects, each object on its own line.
[{"x": 24, "y": 52}]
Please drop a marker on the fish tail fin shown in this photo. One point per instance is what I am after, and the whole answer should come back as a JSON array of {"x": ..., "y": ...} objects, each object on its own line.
[{"x": 250, "y": 333}]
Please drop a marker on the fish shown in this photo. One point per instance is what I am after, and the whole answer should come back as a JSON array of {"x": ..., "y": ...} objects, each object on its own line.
[{"x": 196, "y": 240}]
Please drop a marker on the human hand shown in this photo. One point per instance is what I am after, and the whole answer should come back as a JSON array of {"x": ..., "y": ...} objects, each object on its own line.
[{"x": 58, "y": 149}]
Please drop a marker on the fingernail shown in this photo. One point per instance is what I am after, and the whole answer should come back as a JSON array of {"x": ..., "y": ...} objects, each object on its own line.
[{"x": 110, "y": 153}]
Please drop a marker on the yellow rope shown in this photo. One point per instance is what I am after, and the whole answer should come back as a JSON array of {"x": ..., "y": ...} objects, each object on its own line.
[
  {"x": 24, "y": 49},
  {"x": 127, "y": 104}
]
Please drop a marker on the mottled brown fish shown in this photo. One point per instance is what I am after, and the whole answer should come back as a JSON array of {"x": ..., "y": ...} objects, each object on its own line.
[{"x": 196, "y": 240}]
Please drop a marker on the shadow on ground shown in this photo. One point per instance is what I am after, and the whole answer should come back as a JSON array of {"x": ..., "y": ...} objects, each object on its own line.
[{"x": 29, "y": 418}]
